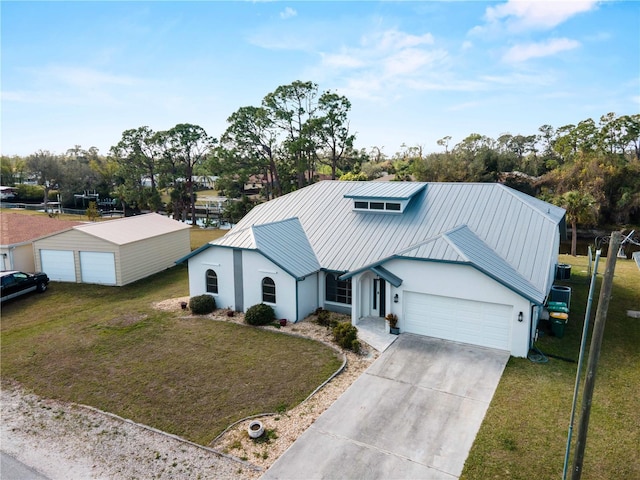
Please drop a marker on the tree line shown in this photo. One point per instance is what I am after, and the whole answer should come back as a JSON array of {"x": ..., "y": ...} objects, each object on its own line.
[{"x": 298, "y": 134}]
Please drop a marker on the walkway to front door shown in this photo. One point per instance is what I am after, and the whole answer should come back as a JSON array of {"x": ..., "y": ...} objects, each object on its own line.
[{"x": 375, "y": 332}]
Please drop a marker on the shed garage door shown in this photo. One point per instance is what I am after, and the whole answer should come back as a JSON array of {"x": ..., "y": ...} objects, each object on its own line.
[
  {"x": 467, "y": 321},
  {"x": 58, "y": 265},
  {"x": 98, "y": 267}
]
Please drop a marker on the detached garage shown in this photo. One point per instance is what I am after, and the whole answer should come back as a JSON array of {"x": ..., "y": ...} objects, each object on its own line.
[{"x": 116, "y": 252}]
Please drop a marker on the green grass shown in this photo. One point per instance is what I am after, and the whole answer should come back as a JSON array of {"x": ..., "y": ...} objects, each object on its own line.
[
  {"x": 200, "y": 236},
  {"x": 109, "y": 348},
  {"x": 524, "y": 434}
]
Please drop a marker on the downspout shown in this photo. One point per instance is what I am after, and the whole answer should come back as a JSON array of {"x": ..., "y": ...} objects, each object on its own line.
[
  {"x": 531, "y": 328},
  {"x": 297, "y": 299}
]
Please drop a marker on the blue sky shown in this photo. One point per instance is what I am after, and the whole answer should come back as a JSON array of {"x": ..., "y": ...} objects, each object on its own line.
[{"x": 80, "y": 73}]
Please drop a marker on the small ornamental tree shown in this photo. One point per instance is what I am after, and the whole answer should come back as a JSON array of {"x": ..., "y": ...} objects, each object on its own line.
[{"x": 92, "y": 211}]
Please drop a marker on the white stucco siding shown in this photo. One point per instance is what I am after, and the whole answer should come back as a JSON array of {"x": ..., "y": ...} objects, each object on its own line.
[
  {"x": 255, "y": 268},
  {"x": 307, "y": 296},
  {"x": 553, "y": 262},
  {"x": 18, "y": 257},
  {"x": 464, "y": 282},
  {"x": 220, "y": 260}
]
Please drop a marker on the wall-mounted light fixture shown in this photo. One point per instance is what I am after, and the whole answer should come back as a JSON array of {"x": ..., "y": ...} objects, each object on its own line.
[
  {"x": 520, "y": 317},
  {"x": 395, "y": 298}
]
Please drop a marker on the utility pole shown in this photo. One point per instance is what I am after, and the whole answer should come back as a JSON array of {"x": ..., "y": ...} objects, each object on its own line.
[
  {"x": 583, "y": 344},
  {"x": 594, "y": 353}
]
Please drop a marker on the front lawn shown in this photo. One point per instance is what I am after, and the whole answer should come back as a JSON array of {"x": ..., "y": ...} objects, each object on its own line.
[
  {"x": 109, "y": 348},
  {"x": 524, "y": 433}
]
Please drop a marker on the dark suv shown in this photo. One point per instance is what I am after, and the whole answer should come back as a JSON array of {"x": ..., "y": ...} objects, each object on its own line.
[{"x": 14, "y": 283}]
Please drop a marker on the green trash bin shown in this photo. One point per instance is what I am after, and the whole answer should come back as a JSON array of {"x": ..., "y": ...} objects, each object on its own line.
[
  {"x": 558, "y": 322},
  {"x": 557, "y": 307}
]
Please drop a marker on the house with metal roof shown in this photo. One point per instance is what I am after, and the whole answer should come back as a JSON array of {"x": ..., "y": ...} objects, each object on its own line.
[
  {"x": 461, "y": 261},
  {"x": 114, "y": 252}
]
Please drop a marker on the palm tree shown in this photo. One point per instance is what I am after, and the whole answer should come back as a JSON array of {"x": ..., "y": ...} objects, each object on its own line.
[{"x": 581, "y": 208}]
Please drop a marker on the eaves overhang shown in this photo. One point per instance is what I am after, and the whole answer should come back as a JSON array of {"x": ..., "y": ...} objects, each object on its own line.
[
  {"x": 194, "y": 253},
  {"x": 206, "y": 246}
]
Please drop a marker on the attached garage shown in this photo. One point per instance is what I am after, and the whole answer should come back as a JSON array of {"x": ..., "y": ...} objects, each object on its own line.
[
  {"x": 467, "y": 321},
  {"x": 115, "y": 252}
]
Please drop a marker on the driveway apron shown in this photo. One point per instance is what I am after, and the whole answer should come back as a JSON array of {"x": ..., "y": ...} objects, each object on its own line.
[{"x": 413, "y": 414}]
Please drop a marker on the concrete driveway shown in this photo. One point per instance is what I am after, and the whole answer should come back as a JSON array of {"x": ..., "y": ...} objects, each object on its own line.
[{"x": 413, "y": 414}]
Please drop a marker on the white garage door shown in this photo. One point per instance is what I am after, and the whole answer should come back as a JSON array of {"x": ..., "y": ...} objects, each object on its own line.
[
  {"x": 467, "y": 321},
  {"x": 98, "y": 267},
  {"x": 58, "y": 265}
]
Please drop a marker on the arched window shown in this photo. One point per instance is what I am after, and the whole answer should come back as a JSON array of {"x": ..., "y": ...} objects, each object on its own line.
[
  {"x": 338, "y": 291},
  {"x": 268, "y": 290},
  {"x": 212, "y": 282}
]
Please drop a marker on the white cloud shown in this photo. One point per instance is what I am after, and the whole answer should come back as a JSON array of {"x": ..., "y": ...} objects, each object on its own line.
[
  {"x": 341, "y": 60},
  {"x": 385, "y": 62},
  {"x": 526, "y": 14},
  {"x": 523, "y": 52},
  {"x": 86, "y": 77},
  {"x": 463, "y": 106},
  {"x": 72, "y": 85},
  {"x": 410, "y": 60},
  {"x": 393, "y": 39},
  {"x": 288, "y": 13}
]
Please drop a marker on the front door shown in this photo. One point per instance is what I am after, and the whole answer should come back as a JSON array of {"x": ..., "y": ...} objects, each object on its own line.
[{"x": 379, "y": 297}]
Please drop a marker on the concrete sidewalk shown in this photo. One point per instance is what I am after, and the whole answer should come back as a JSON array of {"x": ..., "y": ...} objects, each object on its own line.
[{"x": 413, "y": 414}]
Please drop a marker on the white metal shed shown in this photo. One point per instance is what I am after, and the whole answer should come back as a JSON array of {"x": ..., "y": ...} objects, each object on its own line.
[{"x": 115, "y": 252}]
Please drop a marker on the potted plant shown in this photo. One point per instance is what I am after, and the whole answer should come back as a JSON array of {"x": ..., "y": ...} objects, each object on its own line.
[{"x": 392, "y": 318}]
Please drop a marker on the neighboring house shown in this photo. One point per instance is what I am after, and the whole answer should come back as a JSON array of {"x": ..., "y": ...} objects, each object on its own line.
[
  {"x": 17, "y": 233},
  {"x": 460, "y": 261},
  {"x": 115, "y": 252}
]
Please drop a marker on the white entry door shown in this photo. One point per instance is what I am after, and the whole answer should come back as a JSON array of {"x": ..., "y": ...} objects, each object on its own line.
[
  {"x": 98, "y": 267},
  {"x": 467, "y": 321}
]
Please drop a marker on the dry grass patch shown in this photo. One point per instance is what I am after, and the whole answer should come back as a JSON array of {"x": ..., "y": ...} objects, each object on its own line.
[{"x": 110, "y": 348}]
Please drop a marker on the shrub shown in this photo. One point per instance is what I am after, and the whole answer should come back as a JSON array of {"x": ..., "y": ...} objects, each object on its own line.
[
  {"x": 260, "y": 314},
  {"x": 323, "y": 318},
  {"x": 346, "y": 335},
  {"x": 31, "y": 193},
  {"x": 202, "y": 304}
]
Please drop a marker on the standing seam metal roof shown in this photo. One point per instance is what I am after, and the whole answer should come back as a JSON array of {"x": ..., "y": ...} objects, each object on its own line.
[
  {"x": 519, "y": 229},
  {"x": 286, "y": 244}
]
